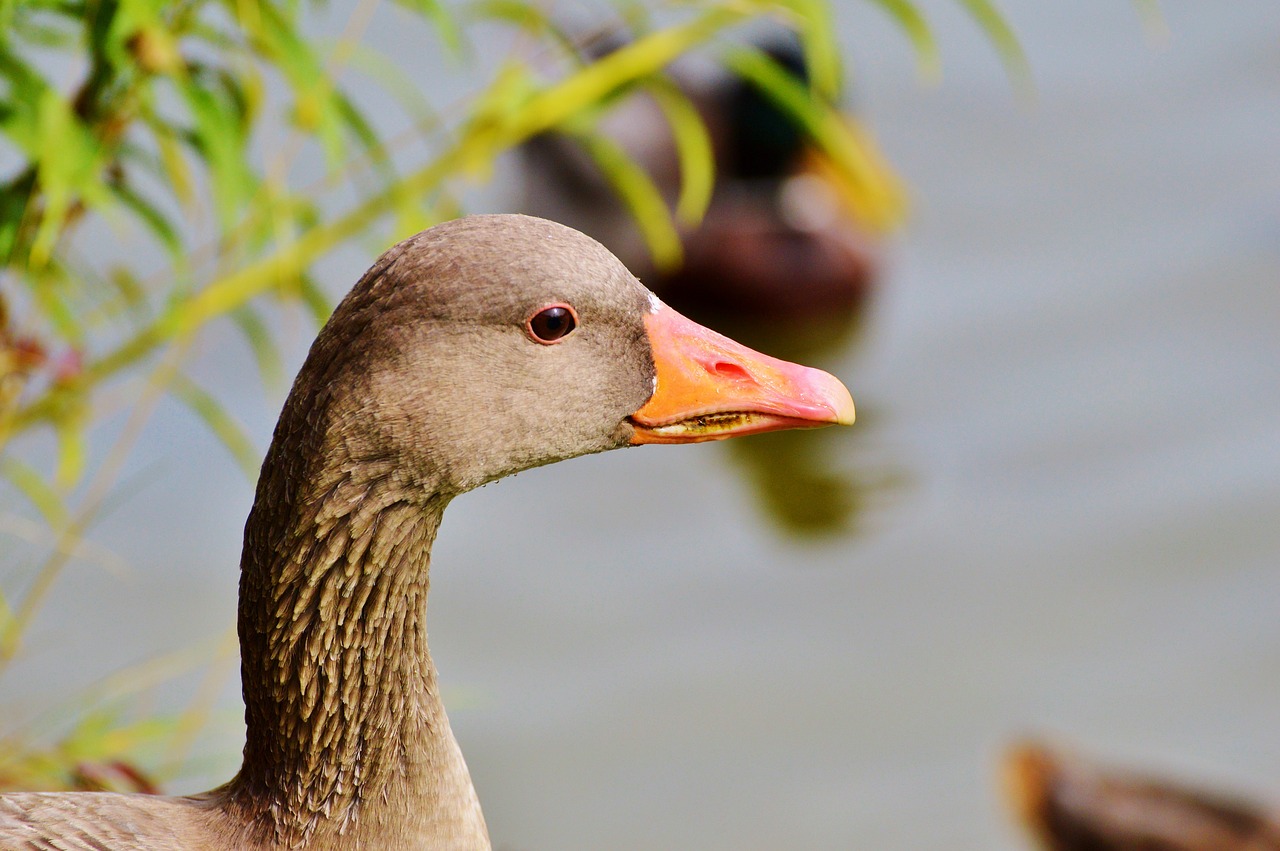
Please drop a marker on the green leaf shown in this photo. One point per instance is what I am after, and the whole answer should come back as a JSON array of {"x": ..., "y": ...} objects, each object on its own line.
[
  {"x": 50, "y": 294},
  {"x": 916, "y": 28},
  {"x": 219, "y": 138},
  {"x": 362, "y": 130},
  {"x": 73, "y": 450},
  {"x": 817, "y": 32},
  {"x": 590, "y": 84},
  {"x": 865, "y": 182},
  {"x": 315, "y": 109},
  {"x": 693, "y": 147},
  {"x": 528, "y": 17},
  {"x": 226, "y": 429},
  {"x": 489, "y": 129},
  {"x": 177, "y": 173},
  {"x": 68, "y": 163},
  {"x": 258, "y": 335},
  {"x": 164, "y": 232},
  {"x": 637, "y": 191},
  {"x": 6, "y": 618},
  {"x": 392, "y": 78},
  {"x": 316, "y": 302},
  {"x": 442, "y": 18},
  {"x": 37, "y": 491},
  {"x": 132, "y": 293},
  {"x": 997, "y": 29}
]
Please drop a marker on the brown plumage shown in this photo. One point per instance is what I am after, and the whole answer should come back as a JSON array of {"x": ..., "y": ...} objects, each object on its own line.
[
  {"x": 1069, "y": 803},
  {"x": 428, "y": 381}
]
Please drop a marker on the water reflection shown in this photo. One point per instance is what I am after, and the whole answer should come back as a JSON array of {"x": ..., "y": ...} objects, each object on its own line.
[{"x": 802, "y": 480}]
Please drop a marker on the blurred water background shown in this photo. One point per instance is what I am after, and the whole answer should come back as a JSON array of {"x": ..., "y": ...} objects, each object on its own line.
[{"x": 1064, "y": 486}]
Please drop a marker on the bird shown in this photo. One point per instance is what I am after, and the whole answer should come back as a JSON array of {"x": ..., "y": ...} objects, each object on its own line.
[
  {"x": 1068, "y": 802},
  {"x": 477, "y": 348}
]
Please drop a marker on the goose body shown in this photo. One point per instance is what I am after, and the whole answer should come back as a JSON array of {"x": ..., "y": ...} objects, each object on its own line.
[{"x": 475, "y": 349}]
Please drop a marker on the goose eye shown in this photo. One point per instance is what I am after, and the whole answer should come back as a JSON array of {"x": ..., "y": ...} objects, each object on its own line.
[{"x": 552, "y": 324}]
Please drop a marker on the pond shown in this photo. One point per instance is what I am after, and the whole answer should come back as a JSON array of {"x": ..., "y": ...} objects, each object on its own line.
[{"x": 1056, "y": 514}]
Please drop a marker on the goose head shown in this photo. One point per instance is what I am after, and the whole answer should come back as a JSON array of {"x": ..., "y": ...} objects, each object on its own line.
[{"x": 492, "y": 344}]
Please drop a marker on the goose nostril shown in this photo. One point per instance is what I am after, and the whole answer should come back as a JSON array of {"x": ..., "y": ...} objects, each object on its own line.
[{"x": 729, "y": 370}]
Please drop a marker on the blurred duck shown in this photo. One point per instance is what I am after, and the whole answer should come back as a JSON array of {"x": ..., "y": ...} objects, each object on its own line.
[
  {"x": 1069, "y": 803},
  {"x": 788, "y": 236}
]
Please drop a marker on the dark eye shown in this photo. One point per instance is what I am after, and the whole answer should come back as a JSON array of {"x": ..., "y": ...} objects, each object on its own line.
[{"x": 552, "y": 324}]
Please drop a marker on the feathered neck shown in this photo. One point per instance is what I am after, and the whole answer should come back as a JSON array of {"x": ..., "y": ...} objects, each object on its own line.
[{"x": 347, "y": 742}]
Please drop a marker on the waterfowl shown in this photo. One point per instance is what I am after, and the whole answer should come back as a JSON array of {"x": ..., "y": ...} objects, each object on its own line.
[
  {"x": 1067, "y": 802},
  {"x": 779, "y": 239},
  {"x": 475, "y": 349}
]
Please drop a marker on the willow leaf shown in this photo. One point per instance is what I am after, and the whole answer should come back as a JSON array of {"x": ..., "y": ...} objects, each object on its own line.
[
  {"x": 164, "y": 232},
  {"x": 395, "y": 82},
  {"x": 226, "y": 429},
  {"x": 910, "y": 20},
  {"x": 693, "y": 147},
  {"x": 37, "y": 491},
  {"x": 864, "y": 179},
  {"x": 176, "y": 171},
  {"x": 525, "y": 15},
  {"x": 314, "y": 108},
  {"x": 997, "y": 29},
  {"x": 258, "y": 335},
  {"x": 218, "y": 139},
  {"x": 816, "y": 31},
  {"x": 637, "y": 191},
  {"x": 646, "y": 55},
  {"x": 360, "y": 128},
  {"x": 316, "y": 302},
  {"x": 72, "y": 451},
  {"x": 51, "y": 296},
  {"x": 443, "y": 20},
  {"x": 68, "y": 161}
]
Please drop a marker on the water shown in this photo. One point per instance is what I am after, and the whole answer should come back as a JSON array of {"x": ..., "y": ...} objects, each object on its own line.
[{"x": 1069, "y": 393}]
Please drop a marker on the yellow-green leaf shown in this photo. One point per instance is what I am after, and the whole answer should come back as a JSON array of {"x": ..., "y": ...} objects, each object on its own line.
[
  {"x": 73, "y": 451},
  {"x": 37, "y": 491},
  {"x": 258, "y": 335},
  {"x": 693, "y": 147},
  {"x": 997, "y": 29},
  {"x": 637, "y": 191},
  {"x": 226, "y": 429},
  {"x": 913, "y": 24}
]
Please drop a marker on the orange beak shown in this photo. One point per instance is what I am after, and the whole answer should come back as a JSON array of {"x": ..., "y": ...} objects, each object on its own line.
[{"x": 709, "y": 388}]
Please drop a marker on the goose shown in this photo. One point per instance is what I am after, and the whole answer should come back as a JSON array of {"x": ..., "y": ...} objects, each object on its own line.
[{"x": 475, "y": 349}]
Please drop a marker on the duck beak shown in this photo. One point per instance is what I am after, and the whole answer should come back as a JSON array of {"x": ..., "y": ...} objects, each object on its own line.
[{"x": 709, "y": 387}]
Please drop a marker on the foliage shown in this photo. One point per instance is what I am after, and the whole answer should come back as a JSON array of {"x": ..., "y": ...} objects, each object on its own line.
[{"x": 160, "y": 133}]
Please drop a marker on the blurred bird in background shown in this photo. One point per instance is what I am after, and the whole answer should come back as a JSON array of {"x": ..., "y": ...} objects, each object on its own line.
[
  {"x": 788, "y": 234},
  {"x": 787, "y": 252}
]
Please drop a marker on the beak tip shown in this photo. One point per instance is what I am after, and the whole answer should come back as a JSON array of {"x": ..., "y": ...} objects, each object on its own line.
[
  {"x": 845, "y": 413},
  {"x": 839, "y": 400}
]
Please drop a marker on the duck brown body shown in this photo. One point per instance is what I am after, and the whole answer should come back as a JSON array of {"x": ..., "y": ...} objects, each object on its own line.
[
  {"x": 429, "y": 380},
  {"x": 1068, "y": 802}
]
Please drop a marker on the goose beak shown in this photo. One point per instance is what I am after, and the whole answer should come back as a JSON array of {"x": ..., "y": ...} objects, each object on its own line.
[{"x": 709, "y": 387}]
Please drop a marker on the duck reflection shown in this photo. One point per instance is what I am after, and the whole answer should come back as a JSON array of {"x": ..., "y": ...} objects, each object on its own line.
[{"x": 808, "y": 483}]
